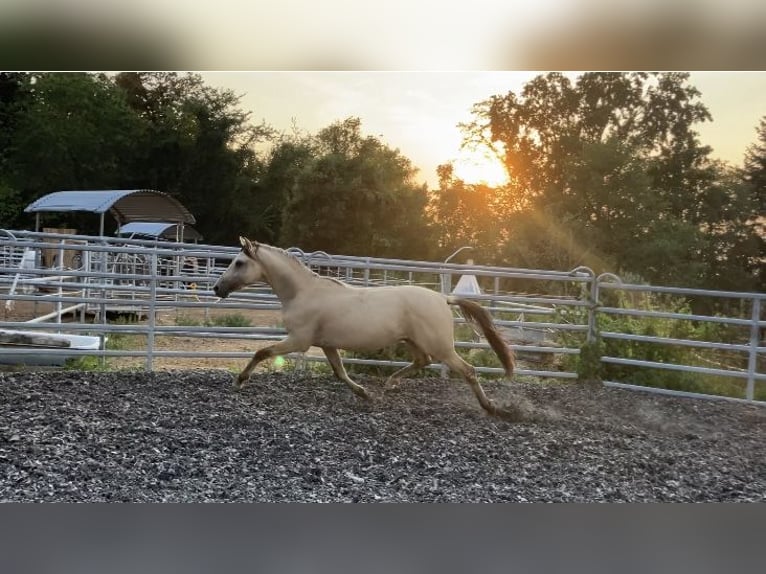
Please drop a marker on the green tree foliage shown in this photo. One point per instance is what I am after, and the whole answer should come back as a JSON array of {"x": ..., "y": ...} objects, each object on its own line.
[
  {"x": 61, "y": 131},
  {"x": 162, "y": 131},
  {"x": 355, "y": 195},
  {"x": 198, "y": 145},
  {"x": 755, "y": 166},
  {"x": 465, "y": 214},
  {"x": 608, "y": 171},
  {"x": 749, "y": 232},
  {"x": 286, "y": 159},
  {"x": 336, "y": 190},
  {"x": 11, "y": 201}
]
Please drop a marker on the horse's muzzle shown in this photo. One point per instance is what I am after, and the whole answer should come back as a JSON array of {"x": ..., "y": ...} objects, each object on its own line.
[{"x": 219, "y": 292}]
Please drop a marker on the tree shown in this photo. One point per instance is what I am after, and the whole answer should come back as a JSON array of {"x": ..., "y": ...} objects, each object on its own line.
[
  {"x": 198, "y": 146},
  {"x": 11, "y": 203},
  {"x": 286, "y": 159},
  {"x": 753, "y": 219},
  {"x": 607, "y": 169},
  {"x": 754, "y": 172},
  {"x": 355, "y": 196},
  {"x": 64, "y": 131},
  {"x": 465, "y": 214}
]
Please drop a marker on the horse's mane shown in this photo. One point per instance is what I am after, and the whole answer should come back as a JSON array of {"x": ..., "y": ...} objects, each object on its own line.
[{"x": 295, "y": 261}]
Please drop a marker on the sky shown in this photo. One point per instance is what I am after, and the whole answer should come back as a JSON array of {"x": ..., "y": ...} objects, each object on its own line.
[
  {"x": 418, "y": 112},
  {"x": 409, "y": 109},
  {"x": 385, "y": 35}
]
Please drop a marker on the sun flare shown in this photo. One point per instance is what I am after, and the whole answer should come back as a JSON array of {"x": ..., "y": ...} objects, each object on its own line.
[{"x": 477, "y": 167}]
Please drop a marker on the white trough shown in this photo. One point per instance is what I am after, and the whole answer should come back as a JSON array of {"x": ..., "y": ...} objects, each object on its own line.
[{"x": 13, "y": 340}]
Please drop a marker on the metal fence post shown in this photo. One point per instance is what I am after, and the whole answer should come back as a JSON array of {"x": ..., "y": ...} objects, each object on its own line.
[
  {"x": 595, "y": 293},
  {"x": 102, "y": 305},
  {"x": 753, "y": 352},
  {"x": 152, "y": 313},
  {"x": 590, "y": 361},
  {"x": 590, "y": 336},
  {"x": 592, "y": 309},
  {"x": 445, "y": 282}
]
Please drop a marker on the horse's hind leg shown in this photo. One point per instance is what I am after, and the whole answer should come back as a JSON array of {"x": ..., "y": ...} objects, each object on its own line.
[
  {"x": 421, "y": 359},
  {"x": 457, "y": 364},
  {"x": 340, "y": 371}
]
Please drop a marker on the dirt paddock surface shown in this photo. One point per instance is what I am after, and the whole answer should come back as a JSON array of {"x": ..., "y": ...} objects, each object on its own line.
[{"x": 187, "y": 436}]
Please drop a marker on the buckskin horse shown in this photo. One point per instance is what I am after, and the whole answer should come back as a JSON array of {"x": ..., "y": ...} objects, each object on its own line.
[{"x": 324, "y": 312}]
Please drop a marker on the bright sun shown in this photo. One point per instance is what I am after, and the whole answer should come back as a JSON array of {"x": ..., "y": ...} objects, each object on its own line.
[{"x": 477, "y": 167}]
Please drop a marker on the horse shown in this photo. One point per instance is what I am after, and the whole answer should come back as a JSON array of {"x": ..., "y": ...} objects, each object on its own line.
[{"x": 327, "y": 313}]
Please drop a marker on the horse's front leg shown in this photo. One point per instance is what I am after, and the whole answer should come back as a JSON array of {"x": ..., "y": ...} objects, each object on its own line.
[{"x": 288, "y": 345}]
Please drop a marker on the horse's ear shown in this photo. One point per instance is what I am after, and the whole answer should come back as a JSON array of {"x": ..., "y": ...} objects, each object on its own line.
[{"x": 248, "y": 247}]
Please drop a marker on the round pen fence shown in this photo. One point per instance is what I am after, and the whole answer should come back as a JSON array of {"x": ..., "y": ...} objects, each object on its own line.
[
  {"x": 561, "y": 324},
  {"x": 720, "y": 352}
]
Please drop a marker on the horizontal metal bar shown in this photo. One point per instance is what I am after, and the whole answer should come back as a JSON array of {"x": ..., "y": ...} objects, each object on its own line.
[
  {"x": 676, "y": 367},
  {"x": 529, "y": 373},
  {"x": 530, "y": 325},
  {"x": 108, "y": 329},
  {"x": 668, "y": 315},
  {"x": 119, "y": 244},
  {"x": 519, "y": 347},
  {"x": 672, "y": 341},
  {"x": 240, "y": 333},
  {"x": 247, "y": 355},
  {"x": 551, "y": 300},
  {"x": 682, "y": 290},
  {"x": 487, "y": 370},
  {"x": 684, "y": 394}
]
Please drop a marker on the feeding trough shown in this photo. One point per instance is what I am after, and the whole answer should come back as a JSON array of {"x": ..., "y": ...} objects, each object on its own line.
[{"x": 42, "y": 344}]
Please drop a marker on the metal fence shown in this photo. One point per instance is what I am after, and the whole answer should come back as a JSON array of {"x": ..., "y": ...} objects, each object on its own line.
[{"x": 547, "y": 316}]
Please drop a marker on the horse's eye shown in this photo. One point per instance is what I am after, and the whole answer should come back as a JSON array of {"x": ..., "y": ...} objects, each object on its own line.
[{"x": 237, "y": 264}]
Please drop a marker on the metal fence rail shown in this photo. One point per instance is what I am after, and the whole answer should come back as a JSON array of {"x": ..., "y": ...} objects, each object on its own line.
[
  {"x": 745, "y": 348},
  {"x": 547, "y": 316}
]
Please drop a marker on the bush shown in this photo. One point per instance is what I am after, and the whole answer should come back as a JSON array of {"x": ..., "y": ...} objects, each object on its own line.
[
  {"x": 84, "y": 363},
  {"x": 231, "y": 320},
  {"x": 234, "y": 320},
  {"x": 589, "y": 365},
  {"x": 188, "y": 321}
]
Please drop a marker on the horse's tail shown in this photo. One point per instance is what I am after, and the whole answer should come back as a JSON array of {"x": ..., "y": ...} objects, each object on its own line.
[{"x": 479, "y": 314}]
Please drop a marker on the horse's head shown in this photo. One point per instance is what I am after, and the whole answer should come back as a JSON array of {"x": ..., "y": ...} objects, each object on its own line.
[{"x": 243, "y": 271}]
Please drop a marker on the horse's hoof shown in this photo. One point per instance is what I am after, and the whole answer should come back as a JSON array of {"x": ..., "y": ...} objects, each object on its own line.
[
  {"x": 515, "y": 414},
  {"x": 362, "y": 392},
  {"x": 501, "y": 412},
  {"x": 391, "y": 386}
]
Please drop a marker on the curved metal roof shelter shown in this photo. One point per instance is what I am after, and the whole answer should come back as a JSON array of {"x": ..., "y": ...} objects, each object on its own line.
[
  {"x": 171, "y": 231},
  {"x": 125, "y": 205}
]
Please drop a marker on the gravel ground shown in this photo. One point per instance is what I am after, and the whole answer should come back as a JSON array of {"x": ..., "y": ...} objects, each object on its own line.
[{"x": 186, "y": 436}]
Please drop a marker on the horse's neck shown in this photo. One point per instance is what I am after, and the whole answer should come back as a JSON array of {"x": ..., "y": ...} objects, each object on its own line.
[{"x": 285, "y": 276}]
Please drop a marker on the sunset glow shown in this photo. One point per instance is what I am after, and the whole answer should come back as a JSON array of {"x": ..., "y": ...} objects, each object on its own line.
[
  {"x": 476, "y": 167},
  {"x": 418, "y": 112}
]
